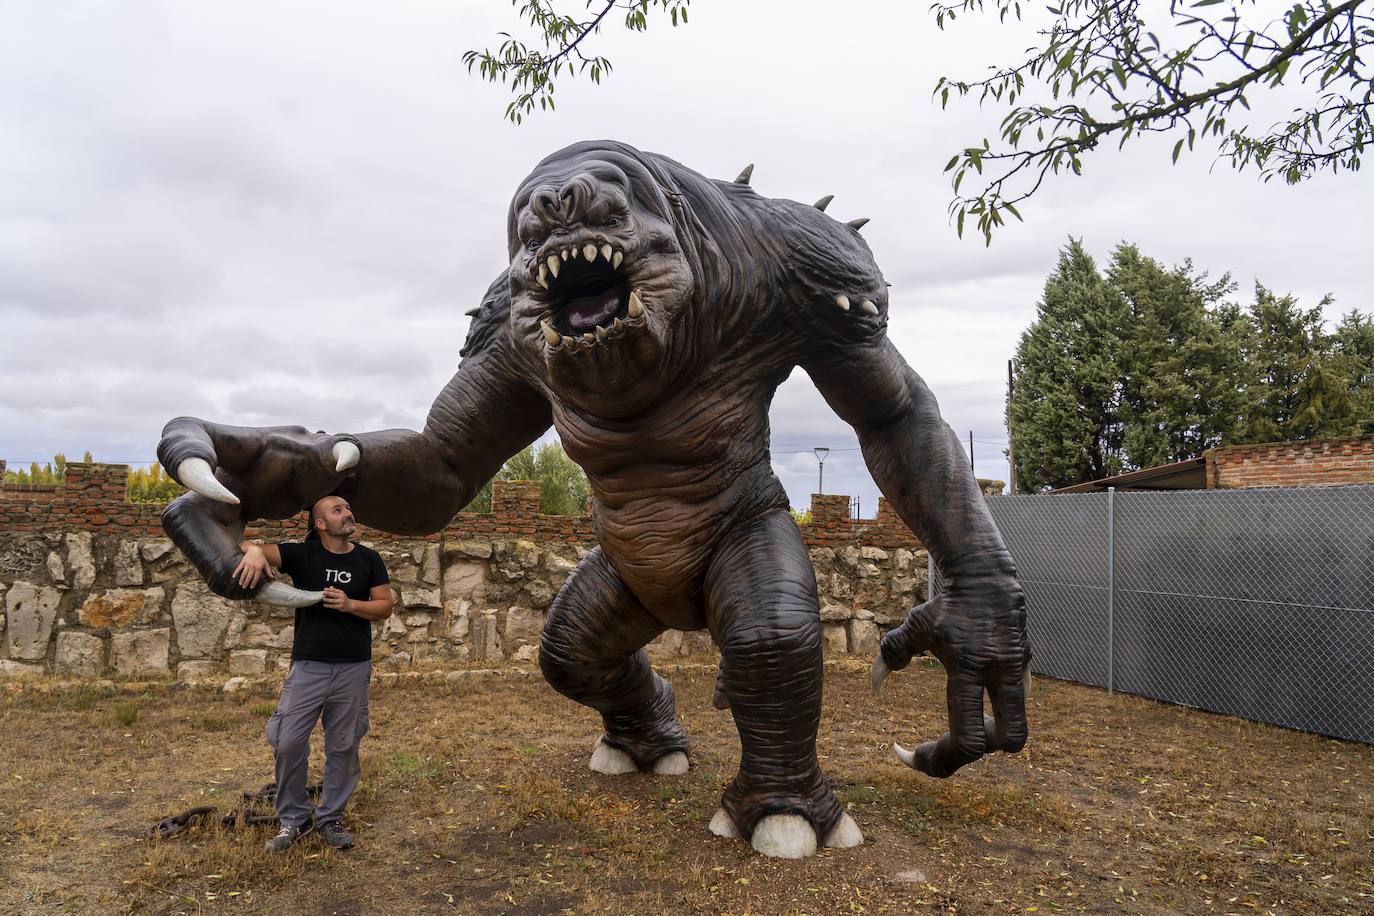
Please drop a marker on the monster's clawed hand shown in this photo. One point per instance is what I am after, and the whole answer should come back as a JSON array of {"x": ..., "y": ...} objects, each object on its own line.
[
  {"x": 237, "y": 474},
  {"x": 978, "y": 634}
]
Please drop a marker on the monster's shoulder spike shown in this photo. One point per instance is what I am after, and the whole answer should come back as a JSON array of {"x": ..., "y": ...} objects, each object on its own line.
[
  {"x": 824, "y": 202},
  {"x": 857, "y": 224},
  {"x": 488, "y": 318},
  {"x": 744, "y": 176}
]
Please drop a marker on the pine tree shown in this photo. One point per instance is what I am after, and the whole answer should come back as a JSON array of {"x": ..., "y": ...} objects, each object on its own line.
[
  {"x": 1065, "y": 418},
  {"x": 1182, "y": 375},
  {"x": 1297, "y": 389},
  {"x": 1354, "y": 348}
]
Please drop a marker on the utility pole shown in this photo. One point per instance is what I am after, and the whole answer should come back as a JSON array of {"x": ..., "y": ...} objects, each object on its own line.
[
  {"x": 1011, "y": 448},
  {"x": 970, "y": 453}
]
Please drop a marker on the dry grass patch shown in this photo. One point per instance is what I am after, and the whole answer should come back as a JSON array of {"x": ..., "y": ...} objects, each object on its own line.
[{"x": 476, "y": 797}]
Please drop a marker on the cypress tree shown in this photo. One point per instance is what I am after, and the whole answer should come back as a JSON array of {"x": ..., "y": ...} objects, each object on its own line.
[{"x": 1065, "y": 418}]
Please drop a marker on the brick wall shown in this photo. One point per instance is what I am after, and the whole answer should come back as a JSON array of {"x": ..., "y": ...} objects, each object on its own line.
[
  {"x": 1314, "y": 462},
  {"x": 93, "y": 497}
]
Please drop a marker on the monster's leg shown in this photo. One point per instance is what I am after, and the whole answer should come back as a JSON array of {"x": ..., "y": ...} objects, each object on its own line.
[
  {"x": 592, "y": 652},
  {"x": 762, "y": 608}
]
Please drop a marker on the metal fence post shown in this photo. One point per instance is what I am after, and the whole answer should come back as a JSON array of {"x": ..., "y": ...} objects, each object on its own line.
[{"x": 1111, "y": 589}]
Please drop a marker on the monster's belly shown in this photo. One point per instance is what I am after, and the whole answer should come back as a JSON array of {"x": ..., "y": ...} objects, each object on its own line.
[{"x": 663, "y": 547}]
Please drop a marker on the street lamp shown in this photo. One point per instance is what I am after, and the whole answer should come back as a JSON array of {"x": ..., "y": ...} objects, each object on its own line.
[{"x": 820, "y": 454}]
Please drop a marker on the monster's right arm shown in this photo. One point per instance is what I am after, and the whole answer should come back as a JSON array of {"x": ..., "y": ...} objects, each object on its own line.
[
  {"x": 413, "y": 483},
  {"x": 397, "y": 480}
]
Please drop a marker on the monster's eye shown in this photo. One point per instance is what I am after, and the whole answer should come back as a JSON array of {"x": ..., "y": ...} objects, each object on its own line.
[
  {"x": 532, "y": 245},
  {"x": 612, "y": 221}
]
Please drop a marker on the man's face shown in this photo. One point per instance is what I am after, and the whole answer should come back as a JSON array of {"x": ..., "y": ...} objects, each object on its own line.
[{"x": 334, "y": 517}]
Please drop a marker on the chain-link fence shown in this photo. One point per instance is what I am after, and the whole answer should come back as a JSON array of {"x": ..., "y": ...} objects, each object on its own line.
[{"x": 1255, "y": 603}]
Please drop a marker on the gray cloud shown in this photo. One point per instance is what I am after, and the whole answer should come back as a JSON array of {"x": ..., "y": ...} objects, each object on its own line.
[{"x": 198, "y": 202}]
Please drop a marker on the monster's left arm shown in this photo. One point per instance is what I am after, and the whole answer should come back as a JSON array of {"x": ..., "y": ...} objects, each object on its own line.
[{"x": 976, "y": 627}]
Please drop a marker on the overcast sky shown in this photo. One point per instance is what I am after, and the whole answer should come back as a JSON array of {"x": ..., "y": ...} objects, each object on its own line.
[{"x": 267, "y": 213}]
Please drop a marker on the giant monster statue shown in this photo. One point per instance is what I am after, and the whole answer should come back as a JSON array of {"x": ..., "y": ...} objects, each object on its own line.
[{"x": 649, "y": 314}]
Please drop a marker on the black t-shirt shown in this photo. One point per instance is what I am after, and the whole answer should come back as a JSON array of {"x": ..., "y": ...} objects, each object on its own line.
[{"x": 322, "y": 634}]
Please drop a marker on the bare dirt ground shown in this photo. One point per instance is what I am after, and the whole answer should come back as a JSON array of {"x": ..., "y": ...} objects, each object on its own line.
[{"x": 476, "y": 798}]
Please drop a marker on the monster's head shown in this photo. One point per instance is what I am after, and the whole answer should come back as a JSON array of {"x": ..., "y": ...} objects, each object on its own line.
[{"x": 606, "y": 274}]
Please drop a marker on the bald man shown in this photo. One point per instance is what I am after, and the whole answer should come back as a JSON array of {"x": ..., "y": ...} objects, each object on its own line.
[{"x": 331, "y": 663}]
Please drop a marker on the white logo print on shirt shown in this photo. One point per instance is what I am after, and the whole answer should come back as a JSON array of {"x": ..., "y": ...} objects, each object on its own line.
[{"x": 338, "y": 575}]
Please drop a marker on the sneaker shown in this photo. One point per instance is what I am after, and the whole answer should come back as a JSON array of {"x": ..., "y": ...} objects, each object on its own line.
[
  {"x": 335, "y": 835},
  {"x": 285, "y": 838}
]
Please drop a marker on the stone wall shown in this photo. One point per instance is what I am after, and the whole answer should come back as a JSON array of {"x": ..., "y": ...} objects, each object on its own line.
[
  {"x": 1307, "y": 463},
  {"x": 93, "y": 589}
]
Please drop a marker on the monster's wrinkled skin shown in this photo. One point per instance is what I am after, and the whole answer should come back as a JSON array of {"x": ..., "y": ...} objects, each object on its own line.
[{"x": 648, "y": 315}]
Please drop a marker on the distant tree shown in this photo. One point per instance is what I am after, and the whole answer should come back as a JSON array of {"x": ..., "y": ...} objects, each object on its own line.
[
  {"x": 1148, "y": 366},
  {"x": 1354, "y": 348},
  {"x": 1182, "y": 375},
  {"x": 1065, "y": 418},
  {"x": 53, "y": 472},
  {"x": 152, "y": 485},
  {"x": 1296, "y": 388},
  {"x": 563, "y": 484}
]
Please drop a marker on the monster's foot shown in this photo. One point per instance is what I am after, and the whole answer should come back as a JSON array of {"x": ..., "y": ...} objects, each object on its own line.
[
  {"x": 789, "y": 836},
  {"x": 612, "y": 761}
]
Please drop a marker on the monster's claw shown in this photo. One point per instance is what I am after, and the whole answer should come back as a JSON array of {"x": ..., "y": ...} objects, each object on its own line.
[
  {"x": 905, "y": 756},
  {"x": 611, "y": 761},
  {"x": 880, "y": 672},
  {"x": 346, "y": 455},
  {"x": 784, "y": 836},
  {"x": 671, "y": 764},
  {"x": 789, "y": 832},
  {"x": 845, "y": 835},
  {"x": 722, "y": 824},
  {"x": 195, "y": 474},
  {"x": 279, "y": 594}
]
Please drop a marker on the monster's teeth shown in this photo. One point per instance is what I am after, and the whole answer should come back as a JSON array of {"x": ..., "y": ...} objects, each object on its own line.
[
  {"x": 566, "y": 255},
  {"x": 553, "y": 264},
  {"x": 601, "y": 333},
  {"x": 589, "y": 337},
  {"x": 550, "y": 334},
  {"x": 842, "y": 301},
  {"x": 606, "y": 252},
  {"x": 589, "y": 251},
  {"x": 868, "y": 307},
  {"x": 618, "y": 325},
  {"x": 636, "y": 306},
  {"x": 544, "y": 275},
  {"x": 615, "y": 261},
  {"x": 569, "y": 341}
]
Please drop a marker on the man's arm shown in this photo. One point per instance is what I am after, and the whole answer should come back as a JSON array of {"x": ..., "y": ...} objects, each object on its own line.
[
  {"x": 257, "y": 564},
  {"x": 377, "y": 606}
]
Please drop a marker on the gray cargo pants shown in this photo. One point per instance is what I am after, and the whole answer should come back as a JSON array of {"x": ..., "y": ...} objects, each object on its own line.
[{"x": 338, "y": 690}]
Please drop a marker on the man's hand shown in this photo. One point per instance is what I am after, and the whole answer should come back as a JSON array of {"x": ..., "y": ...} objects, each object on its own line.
[
  {"x": 336, "y": 600},
  {"x": 253, "y": 568}
]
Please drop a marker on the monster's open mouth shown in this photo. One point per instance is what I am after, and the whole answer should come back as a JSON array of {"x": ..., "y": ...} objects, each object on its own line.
[
  {"x": 590, "y": 299},
  {"x": 586, "y": 301}
]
